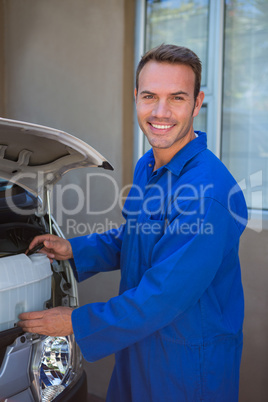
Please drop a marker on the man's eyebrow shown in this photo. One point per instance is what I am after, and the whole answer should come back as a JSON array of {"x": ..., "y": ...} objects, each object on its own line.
[
  {"x": 180, "y": 93},
  {"x": 147, "y": 92}
]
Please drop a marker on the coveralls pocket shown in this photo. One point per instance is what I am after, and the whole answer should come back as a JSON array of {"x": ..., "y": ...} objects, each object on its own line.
[
  {"x": 150, "y": 232},
  {"x": 174, "y": 372}
]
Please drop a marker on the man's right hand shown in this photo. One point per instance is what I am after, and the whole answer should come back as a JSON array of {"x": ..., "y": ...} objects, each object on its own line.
[{"x": 54, "y": 247}]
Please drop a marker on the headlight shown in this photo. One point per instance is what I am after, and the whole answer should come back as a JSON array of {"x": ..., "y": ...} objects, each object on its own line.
[{"x": 55, "y": 365}]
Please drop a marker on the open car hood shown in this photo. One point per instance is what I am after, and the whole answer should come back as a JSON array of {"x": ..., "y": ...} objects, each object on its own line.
[{"x": 36, "y": 157}]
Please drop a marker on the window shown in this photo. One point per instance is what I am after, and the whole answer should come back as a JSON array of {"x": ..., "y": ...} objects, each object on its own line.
[
  {"x": 245, "y": 104},
  {"x": 231, "y": 39},
  {"x": 168, "y": 21}
]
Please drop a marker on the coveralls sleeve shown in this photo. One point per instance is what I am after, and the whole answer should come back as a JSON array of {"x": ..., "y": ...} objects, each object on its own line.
[
  {"x": 182, "y": 268},
  {"x": 96, "y": 253}
]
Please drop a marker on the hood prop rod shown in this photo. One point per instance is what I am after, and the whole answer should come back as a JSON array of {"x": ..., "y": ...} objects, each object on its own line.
[{"x": 49, "y": 211}]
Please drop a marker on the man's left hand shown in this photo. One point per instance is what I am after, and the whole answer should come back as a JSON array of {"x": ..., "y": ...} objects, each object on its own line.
[{"x": 53, "y": 322}]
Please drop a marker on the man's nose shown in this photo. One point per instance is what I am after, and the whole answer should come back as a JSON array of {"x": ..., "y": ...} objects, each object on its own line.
[{"x": 161, "y": 109}]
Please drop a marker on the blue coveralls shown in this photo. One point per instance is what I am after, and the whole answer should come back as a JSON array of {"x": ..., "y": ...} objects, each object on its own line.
[{"x": 176, "y": 326}]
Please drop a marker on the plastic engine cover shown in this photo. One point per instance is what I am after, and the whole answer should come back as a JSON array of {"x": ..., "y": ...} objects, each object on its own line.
[{"x": 25, "y": 285}]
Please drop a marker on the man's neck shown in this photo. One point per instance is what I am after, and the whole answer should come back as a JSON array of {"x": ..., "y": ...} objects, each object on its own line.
[{"x": 163, "y": 155}]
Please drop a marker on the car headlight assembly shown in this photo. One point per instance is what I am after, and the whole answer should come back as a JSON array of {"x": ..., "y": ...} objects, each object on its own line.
[{"x": 56, "y": 364}]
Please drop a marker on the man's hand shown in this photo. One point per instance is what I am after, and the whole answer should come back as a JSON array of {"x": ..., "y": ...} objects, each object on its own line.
[
  {"x": 54, "y": 247},
  {"x": 53, "y": 322}
]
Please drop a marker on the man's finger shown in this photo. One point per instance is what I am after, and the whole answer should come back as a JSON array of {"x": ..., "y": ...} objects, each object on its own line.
[
  {"x": 33, "y": 315},
  {"x": 40, "y": 239},
  {"x": 30, "y": 325},
  {"x": 37, "y": 240}
]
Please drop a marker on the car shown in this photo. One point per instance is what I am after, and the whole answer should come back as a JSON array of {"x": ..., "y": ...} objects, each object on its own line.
[{"x": 32, "y": 159}]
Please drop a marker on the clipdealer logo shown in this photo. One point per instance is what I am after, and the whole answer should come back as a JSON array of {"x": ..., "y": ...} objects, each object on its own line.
[
  {"x": 253, "y": 190},
  {"x": 71, "y": 199}
]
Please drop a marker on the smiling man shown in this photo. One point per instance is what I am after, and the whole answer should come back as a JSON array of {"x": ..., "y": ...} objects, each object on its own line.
[{"x": 176, "y": 325}]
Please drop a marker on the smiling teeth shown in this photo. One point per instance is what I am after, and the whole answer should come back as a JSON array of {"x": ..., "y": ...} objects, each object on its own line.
[{"x": 161, "y": 126}]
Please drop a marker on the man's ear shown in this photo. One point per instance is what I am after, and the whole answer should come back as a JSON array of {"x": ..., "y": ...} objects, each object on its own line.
[
  {"x": 198, "y": 103},
  {"x": 135, "y": 94}
]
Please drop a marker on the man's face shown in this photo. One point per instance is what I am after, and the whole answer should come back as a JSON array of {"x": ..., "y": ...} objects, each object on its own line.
[{"x": 165, "y": 104}]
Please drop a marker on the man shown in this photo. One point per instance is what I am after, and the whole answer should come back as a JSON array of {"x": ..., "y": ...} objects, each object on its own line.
[{"x": 176, "y": 326}]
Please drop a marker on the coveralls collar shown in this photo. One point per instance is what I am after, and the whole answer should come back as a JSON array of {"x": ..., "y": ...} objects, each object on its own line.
[{"x": 190, "y": 150}]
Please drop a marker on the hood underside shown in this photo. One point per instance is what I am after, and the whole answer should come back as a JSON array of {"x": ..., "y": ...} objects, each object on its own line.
[{"x": 35, "y": 157}]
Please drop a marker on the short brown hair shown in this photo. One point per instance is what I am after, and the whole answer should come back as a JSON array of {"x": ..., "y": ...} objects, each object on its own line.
[{"x": 174, "y": 55}]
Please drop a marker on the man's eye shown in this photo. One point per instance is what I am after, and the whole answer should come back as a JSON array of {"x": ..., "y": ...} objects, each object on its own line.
[
  {"x": 148, "y": 97},
  {"x": 178, "y": 98}
]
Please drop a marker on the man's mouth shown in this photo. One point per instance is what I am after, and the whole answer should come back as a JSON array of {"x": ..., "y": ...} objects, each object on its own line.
[{"x": 162, "y": 126}]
